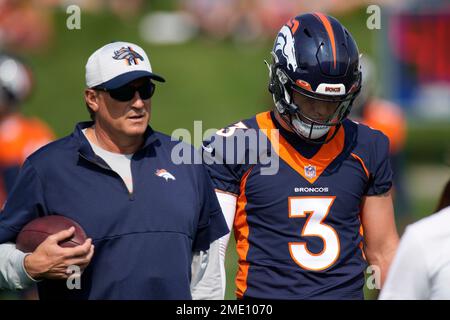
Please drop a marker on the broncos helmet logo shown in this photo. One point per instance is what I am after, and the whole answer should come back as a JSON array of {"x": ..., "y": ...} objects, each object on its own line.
[
  {"x": 128, "y": 54},
  {"x": 285, "y": 43}
]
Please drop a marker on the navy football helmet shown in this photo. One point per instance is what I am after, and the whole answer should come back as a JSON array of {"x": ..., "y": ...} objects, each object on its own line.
[
  {"x": 317, "y": 57},
  {"x": 15, "y": 81}
]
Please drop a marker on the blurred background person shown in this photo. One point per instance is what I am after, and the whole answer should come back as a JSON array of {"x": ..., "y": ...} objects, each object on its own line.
[
  {"x": 421, "y": 267},
  {"x": 444, "y": 200},
  {"x": 389, "y": 118},
  {"x": 25, "y": 25},
  {"x": 19, "y": 135},
  {"x": 215, "y": 18}
]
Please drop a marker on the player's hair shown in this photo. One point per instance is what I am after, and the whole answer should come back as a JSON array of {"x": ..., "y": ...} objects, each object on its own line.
[{"x": 445, "y": 198}]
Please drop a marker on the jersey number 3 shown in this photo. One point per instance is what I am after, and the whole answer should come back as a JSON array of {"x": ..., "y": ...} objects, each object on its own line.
[{"x": 317, "y": 209}]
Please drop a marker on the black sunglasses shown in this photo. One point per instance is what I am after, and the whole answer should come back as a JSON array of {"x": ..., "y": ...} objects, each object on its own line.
[{"x": 127, "y": 92}]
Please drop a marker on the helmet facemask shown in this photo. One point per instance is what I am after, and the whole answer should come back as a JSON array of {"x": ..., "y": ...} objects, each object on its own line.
[
  {"x": 314, "y": 56},
  {"x": 313, "y": 131}
]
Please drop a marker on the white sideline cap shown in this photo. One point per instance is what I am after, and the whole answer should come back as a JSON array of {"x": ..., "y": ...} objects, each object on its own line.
[{"x": 117, "y": 64}]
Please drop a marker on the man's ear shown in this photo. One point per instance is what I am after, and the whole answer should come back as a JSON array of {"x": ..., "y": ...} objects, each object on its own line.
[{"x": 91, "y": 97}]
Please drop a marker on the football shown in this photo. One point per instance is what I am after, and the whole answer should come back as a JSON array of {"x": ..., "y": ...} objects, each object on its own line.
[{"x": 36, "y": 231}]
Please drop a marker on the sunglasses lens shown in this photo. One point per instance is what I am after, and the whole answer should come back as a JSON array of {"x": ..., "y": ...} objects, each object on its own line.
[
  {"x": 126, "y": 93},
  {"x": 146, "y": 91}
]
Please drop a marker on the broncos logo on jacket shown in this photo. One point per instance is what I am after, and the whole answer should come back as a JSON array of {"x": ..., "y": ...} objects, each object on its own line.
[{"x": 128, "y": 54}]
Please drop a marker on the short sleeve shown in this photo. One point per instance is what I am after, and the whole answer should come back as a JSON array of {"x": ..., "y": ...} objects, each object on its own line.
[
  {"x": 211, "y": 225},
  {"x": 24, "y": 203},
  {"x": 380, "y": 180},
  {"x": 225, "y": 161}
]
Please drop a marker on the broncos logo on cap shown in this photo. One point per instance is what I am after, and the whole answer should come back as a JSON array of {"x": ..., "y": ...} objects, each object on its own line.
[{"x": 128, "y": 54}]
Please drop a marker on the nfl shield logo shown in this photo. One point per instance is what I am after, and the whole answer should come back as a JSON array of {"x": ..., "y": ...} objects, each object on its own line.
[{"x": 310, "y": 171}]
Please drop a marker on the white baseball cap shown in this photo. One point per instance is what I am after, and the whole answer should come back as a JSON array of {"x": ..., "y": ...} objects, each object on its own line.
[{"x": 117, "y": 64}]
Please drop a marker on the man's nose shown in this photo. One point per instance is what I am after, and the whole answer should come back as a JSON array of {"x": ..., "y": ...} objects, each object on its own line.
[
  {"x": 324, "y": 110},
  {"x": 137, "y": 101}
]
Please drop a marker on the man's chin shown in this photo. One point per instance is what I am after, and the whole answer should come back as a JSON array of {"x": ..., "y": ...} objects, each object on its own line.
[{"x": 136, "y": 129}]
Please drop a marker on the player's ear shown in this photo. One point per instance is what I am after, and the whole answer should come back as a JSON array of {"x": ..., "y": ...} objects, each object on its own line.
[{"x": 92, "y": 99}]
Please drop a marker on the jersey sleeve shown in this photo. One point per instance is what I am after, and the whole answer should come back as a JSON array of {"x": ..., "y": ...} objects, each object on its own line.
[
  {"x": 380, "y": 180},
  {"x": 211, "y": 224},
  {"x": 24, "y": 203},
  {"x": 226, "y": 156}
]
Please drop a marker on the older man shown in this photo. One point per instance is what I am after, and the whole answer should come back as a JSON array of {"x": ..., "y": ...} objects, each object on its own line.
[{"x": 114, "y": 175}]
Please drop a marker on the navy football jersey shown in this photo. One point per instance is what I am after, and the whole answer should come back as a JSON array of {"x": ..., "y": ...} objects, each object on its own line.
[{"x": 297, "y": 229}]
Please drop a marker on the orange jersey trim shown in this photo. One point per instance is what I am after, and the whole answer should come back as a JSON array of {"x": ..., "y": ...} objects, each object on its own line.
[
  {"x": 326, "y": 23},
  {"x": 362, "y": 164},
  {"x": 241, "y": 232},
  {"x": 327, "y": 153},
  {"x": 361, "y": 244}
]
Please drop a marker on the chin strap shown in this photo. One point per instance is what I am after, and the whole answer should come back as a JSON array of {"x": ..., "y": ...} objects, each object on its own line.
[{"x": 286, "y": 117}]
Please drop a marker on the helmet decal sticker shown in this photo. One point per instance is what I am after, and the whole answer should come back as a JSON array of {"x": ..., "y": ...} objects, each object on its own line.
[{"x": 285, "y": 43}]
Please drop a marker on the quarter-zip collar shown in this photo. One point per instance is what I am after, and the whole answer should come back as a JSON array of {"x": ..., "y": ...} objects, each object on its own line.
[{"x": 85, "y": 149}]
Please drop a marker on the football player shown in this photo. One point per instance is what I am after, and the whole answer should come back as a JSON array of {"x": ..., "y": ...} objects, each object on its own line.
[
  {"x": 19, "y": 135},
  {"x": 308, "y": 231}
]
